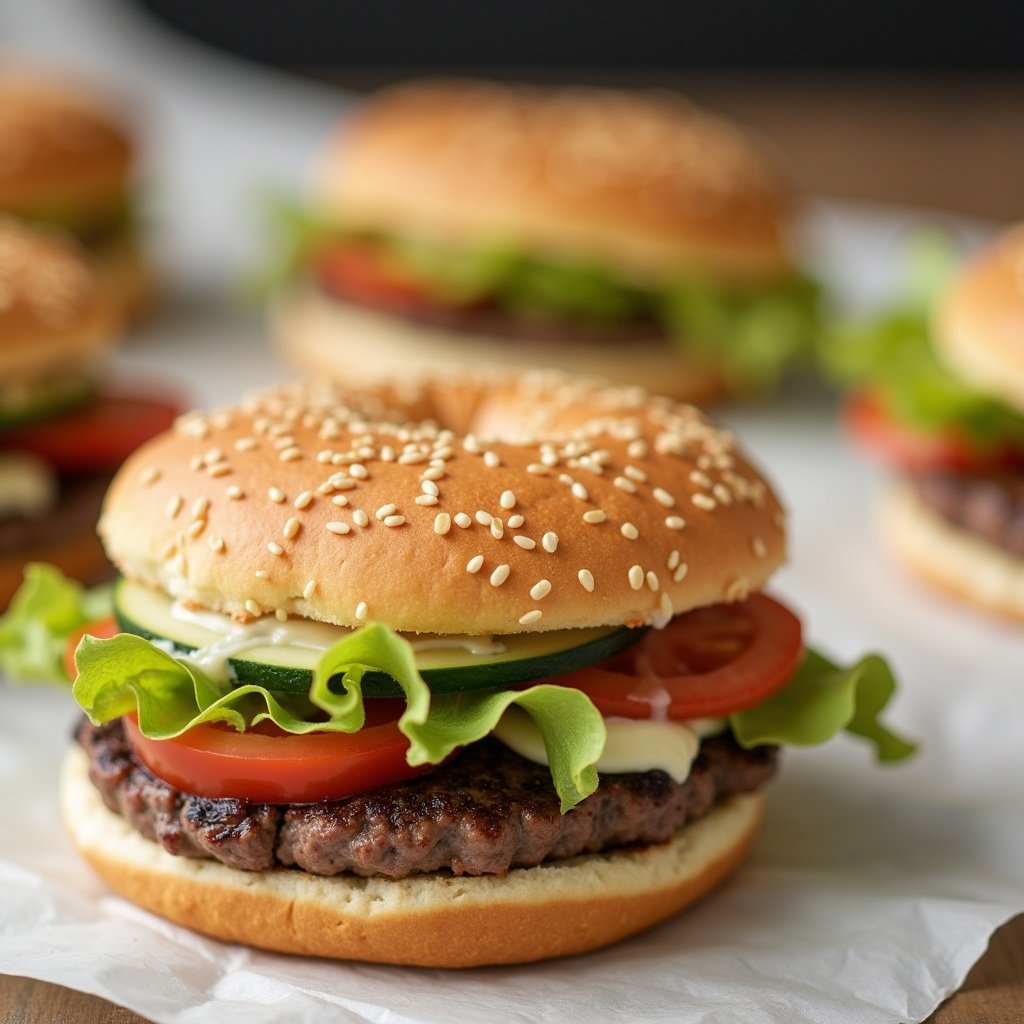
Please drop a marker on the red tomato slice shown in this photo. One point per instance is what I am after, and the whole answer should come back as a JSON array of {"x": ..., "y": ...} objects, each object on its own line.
[
  {"x": 366, "y": 274},
  {"x": 102, "y": 629},
  {"x": 272, "y": 766},
  {"x": 705, "y": 663},
  {"x": 916, "y": 450},
  {"x": 98, "y": 436}
]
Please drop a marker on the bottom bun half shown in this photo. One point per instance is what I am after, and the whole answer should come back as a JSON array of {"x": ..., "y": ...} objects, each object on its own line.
[
  {"x": 429, "y": 920},
  {"x": 319, "y": 334},
  {"x": 951, "y": 558}
]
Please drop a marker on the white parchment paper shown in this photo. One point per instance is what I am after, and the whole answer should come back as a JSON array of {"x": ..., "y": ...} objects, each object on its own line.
[{"x": 871, "y": 891}]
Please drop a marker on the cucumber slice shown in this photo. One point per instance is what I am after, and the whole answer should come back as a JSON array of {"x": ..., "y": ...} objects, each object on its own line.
[{"x": 285, "y": 662}]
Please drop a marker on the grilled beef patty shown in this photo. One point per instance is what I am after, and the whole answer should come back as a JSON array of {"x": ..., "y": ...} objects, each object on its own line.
[
  {"x": 486, "y": 811},
  {"x": 990, "y": 507}
]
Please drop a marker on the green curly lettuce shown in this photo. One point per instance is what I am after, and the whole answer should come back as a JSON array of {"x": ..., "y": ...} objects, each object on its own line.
[
  {"x": 43, "y": 615},
  {"x": 891, "y": 355}
]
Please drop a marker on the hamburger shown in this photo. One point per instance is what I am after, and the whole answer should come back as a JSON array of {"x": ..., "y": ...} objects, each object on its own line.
[
  {"x": 61, "y": 435},
  {"x": 628, "y": 235},
  {"x": 938, "y": 394},
  {"x": 473, "y": 672},
  {"x": 67, "y": 163}
]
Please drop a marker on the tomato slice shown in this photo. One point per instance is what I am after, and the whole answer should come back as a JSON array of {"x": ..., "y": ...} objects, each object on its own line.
[
  {"x": 366, "y": 274},
  {"x": 916, "y": 450},
  {"x": 95, "y": 437},
  {"x": 703, "y": 664},
  {"x": 272, "y": 766},
  {"x": 102, "y": 629}
]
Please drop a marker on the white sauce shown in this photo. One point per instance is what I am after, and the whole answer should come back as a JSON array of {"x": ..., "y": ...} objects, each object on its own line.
[
  {"x": 633, "y": 745},
  {"x": 28, "y": 487},
  {"x": 235, "y": 638}
]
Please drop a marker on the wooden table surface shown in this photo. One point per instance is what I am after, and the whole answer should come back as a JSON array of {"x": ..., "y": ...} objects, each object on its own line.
[{"x": 956, "y": 144}]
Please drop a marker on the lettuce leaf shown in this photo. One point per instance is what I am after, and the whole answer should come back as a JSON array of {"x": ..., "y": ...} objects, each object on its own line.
[
  {"x": 821, "y": 700},
  {"x": 892, "y": 356},
  {"x": 43, "y": 615}
]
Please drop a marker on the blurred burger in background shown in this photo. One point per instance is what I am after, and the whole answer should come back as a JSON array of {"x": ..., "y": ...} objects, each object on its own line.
[
  {"x": 62, "y": 435},
  {"x": 938, "y": 394},
  {"x": 627, "y": 235},
  {"x": 67, "y": 163}
]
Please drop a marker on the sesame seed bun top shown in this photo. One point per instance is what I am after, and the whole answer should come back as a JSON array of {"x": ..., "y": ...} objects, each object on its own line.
[
  {"x": 477, "y": 504},
  {"x": 979, "y": 323},
  {"x": 61, "y": 150},
  {"x": 643, "y": 182},
  {"x": 56, "y": 312}
]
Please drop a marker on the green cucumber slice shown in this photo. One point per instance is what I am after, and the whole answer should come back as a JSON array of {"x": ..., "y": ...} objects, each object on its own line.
[{"x": 287, "y": 666}]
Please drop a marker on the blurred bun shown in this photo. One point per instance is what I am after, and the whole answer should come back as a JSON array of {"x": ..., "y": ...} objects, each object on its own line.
[
  {"x": 631, "y": 508},
  {"x": 979, "y": 325},
  {"x": 433, "y": 920},
  {"x": 62, "y": 150},
  {"x": 643, "y": 182},
  {"x": 961, "y": 564},
  {"x": 321, "y": 334},
  {"x": 57, "y": 313}
]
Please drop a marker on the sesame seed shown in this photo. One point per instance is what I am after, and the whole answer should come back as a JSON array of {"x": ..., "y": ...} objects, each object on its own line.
[
  {"x": 681, "y": 570},
  {"x": 497, "y": 528},
  {"x": 492, "y": 460},
  {"x": 245, "y": 444},
  {"x": 758, "y": 547},
  {"x": 212, "y": 456},
  {"x": 722, "y": 493},
  {"x": 341, "y": 500},
  {"x": 667, "y": 607},
  {"x": 673, "y": 560},
  {"x": 200, "y": 507},
  {"x": 593, "y": 516},
  {"x": 636, "y": 474},
  {"x": 530, "y": 617},
  {"x": 738, "y": 590},
  {"x": 303, "y": 500},
  {"x": 462, "y": 520},
  {"x": 579, "y": 491},
  {"x": 358, "y": 471},
  {"x": 549, "y": 458},
  {"x": 433, "y": 473},
  {"x": 174, "y": 506},
  {"x": 483, "y": 518},
  {"x": 262, "y": 574},
  {"x": 235, "y": 493},
  {"x": 342, "y": 482},
  {"x": 276, "y": 495},
  {"x": 537, "y": 468},
  {"x": 625, "y": 484},
  {"x": 629, "y": 531},
  {"x": 274, "y": 548},
  {"x": 586, "y": 578},
  {"x": 675, "y": 522},
  {"x": 149, "y": 475},
  {"x": 636, "y": 576},
  {"x": 662, "y": 497},
  {"x": 475, "y": 564},
  {"x": 471, "y": 444},
  {"x": 197, "y": 528},
  {"x": 361, "y": 611},
  {"x": 425, "y": 499},
  {"x": 516, "y": 521},
  {"x": 700, "y": 479},
  {"x": 652, "y": 580},
  {"x": 540, "y": 590},
  {"x": 704, "y": 501},
  {"x": 526, "y": 543},
  {"x": 290, "y": 454},
  {"x": 309, "y": 589},
  {"x": 216, "y": 544},
  {"x": 500, "y": 574},
  {"x": 385, "y": 510},
  {"x": 281, "y": 615},
  {"x": 442, "y": 523},
  {"x": 429, "y": 487},
  {"x": 339, "y": 528},
  {"x": 253, "y": 608},
  {"x": 636, "y": 449},
  {"x": 411, "y": 458},
  {"x": 291, "y": 527},
  {"x": 387, "y": 453},
  {"x": 550, "y": 542},
  {"x": 196, "y": 462},
  {"x": 508, "y": 500},
  {"x": 394, "y": 520},
  {"x": 218, "y": 470}
]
